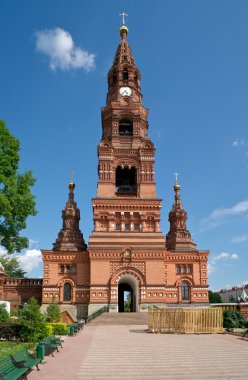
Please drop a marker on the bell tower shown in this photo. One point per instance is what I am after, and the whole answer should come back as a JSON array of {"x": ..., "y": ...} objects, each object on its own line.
[
  {"x": 126, "y": 205},
  {"x": 126, "y": 209},
  {"x": 126, "y": 154}
]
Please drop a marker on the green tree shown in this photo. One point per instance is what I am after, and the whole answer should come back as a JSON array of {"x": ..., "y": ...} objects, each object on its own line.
[
  {"x": 12, "y": 266},
  {"x": 232, "y": 299},
  {"x": 127, "y": 303},
  {"x": 233, "y": 319},
  {"x": 32, "y": 320},
  {"x": 53, "y": 312},
  {"x": 16, "y": 199},
  {"x": 4, "y": 315},
  {"x": 214, "y": 297}
]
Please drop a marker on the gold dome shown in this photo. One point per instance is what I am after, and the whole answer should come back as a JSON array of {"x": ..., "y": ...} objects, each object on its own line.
[{"x": 124, "y": 29}]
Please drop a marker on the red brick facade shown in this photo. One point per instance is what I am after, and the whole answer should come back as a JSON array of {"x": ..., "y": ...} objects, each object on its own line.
[
  {"x": 127, "y": 251},
  {"x": 18, "y": 290}
]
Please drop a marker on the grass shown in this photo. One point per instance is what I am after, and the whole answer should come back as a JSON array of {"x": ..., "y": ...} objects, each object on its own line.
[{"x": 8, "y": 348}]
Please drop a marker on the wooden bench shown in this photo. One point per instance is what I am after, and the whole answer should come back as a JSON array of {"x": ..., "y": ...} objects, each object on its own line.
[
  {"x": 23, "y": 357},
  {"x": 11, "y": 371}
]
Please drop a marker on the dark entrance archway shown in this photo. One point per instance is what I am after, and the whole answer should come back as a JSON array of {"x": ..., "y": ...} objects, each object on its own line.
[{"x": 126, "y": 301}]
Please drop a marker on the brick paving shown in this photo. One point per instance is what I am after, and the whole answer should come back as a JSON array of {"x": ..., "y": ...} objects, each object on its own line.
[{"x": 105, "y": 350}]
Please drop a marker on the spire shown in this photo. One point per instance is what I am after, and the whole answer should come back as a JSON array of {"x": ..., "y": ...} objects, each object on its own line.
[
  {"x": 124, "y": 72},
  {"x": 123, "y": 55},
  {"x": 70, "y": 237},
  {"x": 243, "y": 297},
  {"x": 178, "y": 238}
]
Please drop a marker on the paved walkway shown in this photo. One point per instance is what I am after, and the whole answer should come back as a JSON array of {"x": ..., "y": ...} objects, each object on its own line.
[{"x": 125, "y": 352}]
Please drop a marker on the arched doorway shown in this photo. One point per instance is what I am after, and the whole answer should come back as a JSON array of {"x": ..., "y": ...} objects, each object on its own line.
[{"x": 128, "y": 291}]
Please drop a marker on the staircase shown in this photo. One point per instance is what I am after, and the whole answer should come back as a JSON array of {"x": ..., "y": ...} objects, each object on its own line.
[{"x": 108, "y": 319}]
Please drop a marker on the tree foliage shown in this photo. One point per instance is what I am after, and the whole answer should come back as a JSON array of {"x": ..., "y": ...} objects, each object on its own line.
[
  {"x": 233, "y": 319},
  {"x": 16, "y": 199},
  {"x": 214, "y": 297},
  {"x": 4, "y": 315},
  {"x": 32, "y": 321},
  {"x": 53, "y": 312},
  {"x": 12, "y": 266}
]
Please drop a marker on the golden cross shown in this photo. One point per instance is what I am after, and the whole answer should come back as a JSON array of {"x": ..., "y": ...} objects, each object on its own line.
[
  {"x": 176, "y": 175},
  {"x": 123, "y": 14},
  {"x": 72, "y": 176}
]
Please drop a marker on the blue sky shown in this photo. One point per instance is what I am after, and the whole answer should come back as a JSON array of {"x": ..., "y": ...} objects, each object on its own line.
[{"x": 193, "y": 56}]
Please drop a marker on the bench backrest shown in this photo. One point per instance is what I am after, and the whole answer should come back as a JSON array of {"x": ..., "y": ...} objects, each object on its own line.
[
  {"x": 20, "y": 355},
  {"x": 6, "y": 365}
]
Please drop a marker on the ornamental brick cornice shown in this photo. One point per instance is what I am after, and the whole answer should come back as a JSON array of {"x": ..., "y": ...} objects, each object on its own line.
[
  {"x": 126, "y": 152},
  {"x": 132, "y": 204},
  {"x": 184, "y": 257},
  {"x": 65, "y": 256},
  {"x": 118, "y": 255}
]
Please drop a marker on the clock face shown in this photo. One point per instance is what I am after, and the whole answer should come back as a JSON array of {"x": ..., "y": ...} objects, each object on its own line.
[{"x": 125, "y": 91}]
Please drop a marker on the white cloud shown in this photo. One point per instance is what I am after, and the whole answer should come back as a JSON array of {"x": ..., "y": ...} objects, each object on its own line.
[
  {"x": 239, "y": 208},
  {"x": 225, "y": 256},
  {"x": 220, "y": 215},
  {"x": 239, "y": 239},
  {"x": 30, "y": 260},
  {"x": 211, "y": 268},
  {"x": 59, "y": 46},
  {"x": 213, "y": 260},
  {"x": 33, "y": 242},
  {"x": 239, "y": 143}
]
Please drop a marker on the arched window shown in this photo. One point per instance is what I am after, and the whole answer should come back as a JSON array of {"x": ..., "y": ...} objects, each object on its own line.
[
  {"x": 185, "y": 291},
  {"x": 114, "y": 78},
  {"x": 125, "y": 128},
  {"x": 62, "y": 269},
  {"x": 125, "y": 74},
  {"x": 67, "y": 291},
  {"x": 126, "y": 182}
]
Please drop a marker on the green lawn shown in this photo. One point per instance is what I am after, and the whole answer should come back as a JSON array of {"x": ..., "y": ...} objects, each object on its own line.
[{"x": 8, "y": 348}]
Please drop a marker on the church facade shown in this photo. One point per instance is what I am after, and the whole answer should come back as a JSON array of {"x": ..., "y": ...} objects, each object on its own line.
[{"x": 127, "y": 252}]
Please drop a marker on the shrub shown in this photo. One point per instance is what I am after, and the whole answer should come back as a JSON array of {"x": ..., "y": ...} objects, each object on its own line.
[
  {"x": 49, "y": 329},
  {"x": 59, "y": 328},
  {"x": 233, "y": 319}
]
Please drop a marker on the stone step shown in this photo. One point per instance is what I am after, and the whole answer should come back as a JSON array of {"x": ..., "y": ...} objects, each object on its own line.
[{"x": 120, "y": 319}]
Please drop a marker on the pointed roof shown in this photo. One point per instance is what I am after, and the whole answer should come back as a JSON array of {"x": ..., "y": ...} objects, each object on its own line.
[
  {"x": 178, "y": 238},
  {"x": 70, "y": 238},
  {"x": 243, "y": 296},
  {"x": 124, "y": 53}
]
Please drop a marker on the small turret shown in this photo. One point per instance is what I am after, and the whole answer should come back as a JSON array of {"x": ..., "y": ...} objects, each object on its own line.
[
  {"x": 70, "y": 238},
  {"x": 178, "y": 238}
]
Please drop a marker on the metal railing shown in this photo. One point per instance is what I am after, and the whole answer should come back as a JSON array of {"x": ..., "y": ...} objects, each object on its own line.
[{"x": 96, "y": 313}]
